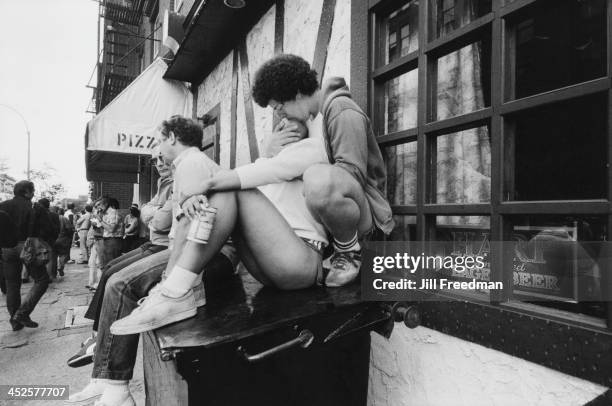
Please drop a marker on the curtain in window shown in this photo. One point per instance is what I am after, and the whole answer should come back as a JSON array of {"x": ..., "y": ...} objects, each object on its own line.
[{"x": 463, "y": 158}]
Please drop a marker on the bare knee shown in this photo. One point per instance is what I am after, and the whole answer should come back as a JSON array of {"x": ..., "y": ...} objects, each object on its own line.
[{"x": 320, "y": 186}]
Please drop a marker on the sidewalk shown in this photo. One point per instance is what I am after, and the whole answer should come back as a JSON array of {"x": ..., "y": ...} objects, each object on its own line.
[{"x": 41, "y": 357}]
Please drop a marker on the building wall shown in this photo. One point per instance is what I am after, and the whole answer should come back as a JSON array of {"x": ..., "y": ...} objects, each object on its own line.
[
  {"x": 301, "y": 24},
  {"x": 415, "y": 367},
  {"x": 425, "y": 367}
]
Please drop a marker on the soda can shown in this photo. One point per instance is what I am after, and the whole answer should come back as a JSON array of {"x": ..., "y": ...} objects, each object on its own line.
[{"x": 201, "y": 226}]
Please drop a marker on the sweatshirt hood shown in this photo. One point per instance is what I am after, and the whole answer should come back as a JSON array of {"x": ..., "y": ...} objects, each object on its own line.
[{"x": 332, "y": 88}]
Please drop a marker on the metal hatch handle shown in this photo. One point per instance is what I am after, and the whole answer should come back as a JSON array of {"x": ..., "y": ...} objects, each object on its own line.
[{"x": 304, "y": 339}]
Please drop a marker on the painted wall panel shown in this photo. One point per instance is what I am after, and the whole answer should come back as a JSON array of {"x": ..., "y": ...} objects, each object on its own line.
[
  {"x": 425, "y": 367},
  {"x": 217, "y": 88},
  {"x": 242, "y": 141},
  {"x": 260, "y": 48},
  {"x": 339, "y": 50},
  {"x": 301, "y": 25}
]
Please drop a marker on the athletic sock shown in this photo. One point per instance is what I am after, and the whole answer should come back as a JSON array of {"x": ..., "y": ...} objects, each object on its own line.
[
  {"x": 345, "y": 246},
  {"x": 179, "y": 281}
]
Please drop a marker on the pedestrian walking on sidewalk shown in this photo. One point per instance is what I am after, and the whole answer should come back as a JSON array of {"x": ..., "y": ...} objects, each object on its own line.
[
  {"x": 63, "y": 242},
  {"x": 26, "y": 223}
]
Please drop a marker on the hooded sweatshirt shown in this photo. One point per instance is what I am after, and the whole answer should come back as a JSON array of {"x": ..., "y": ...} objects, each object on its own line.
[{"x": 351, "y": 145}]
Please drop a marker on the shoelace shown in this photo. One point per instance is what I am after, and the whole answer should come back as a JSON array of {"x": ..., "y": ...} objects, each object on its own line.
[
  {"x": 152, "y": 292},
  {"x": 342, "y": 260}
]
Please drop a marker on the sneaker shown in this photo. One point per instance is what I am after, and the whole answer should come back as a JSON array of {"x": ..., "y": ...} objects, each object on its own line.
[
  {"x": 154, "y": 311},
  {"x": 25, "y": 321},
  {"x": 199, "y": 294},
  {"x": 91, "y": 393},
  {"x": 71, "y": 261},
  {"x": 344, "y": 268},
  {"x": 85, "y": 354}
]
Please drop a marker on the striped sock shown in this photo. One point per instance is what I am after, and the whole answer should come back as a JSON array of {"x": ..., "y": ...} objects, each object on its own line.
[{"x": 351, "y": 245}]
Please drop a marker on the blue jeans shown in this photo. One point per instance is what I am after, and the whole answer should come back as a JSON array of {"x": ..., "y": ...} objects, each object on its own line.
[
  {"x": 12, "y": 274},
  {"x": 114, "y": 266},
  {"x": 111, "y": 249},
  {"x": 116, "y": 355}
]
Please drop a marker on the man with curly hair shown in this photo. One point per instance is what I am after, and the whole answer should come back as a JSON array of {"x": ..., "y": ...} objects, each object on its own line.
[{"x": 347, "y": 194}]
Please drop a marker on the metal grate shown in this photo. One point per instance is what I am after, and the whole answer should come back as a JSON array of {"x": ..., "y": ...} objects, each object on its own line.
[
  {"x": 121, "y": 13},
  {"x": 113, "y": 85}
]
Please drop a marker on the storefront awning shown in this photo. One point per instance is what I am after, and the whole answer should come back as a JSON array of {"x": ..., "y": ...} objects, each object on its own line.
[
  {"x": 212, "y": 30},
  {"x": 126, "y": 127}
]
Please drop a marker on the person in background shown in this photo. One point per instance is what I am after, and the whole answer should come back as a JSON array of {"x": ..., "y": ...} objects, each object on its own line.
[
  {"x": 55, "y": 221},
  {"x": 8, "y": 238},
  {"x": 96, "y": 245},
  {"x": 131, "y": 225},
  {"x": 49, "y": 228},
  {"x": 82, "y": 226},
  {"x": 110, "y": 221},
  {"x": 63, "y": 242},
  {"x": 27, "y": 223},
  {"x": 75, "y": 238},
  {"x": 70, "y": 215}
]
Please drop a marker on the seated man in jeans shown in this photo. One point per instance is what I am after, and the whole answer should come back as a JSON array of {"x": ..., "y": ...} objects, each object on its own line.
[
  {"x": 158, "y": 215},
  {"x": 116, "y": 355}
]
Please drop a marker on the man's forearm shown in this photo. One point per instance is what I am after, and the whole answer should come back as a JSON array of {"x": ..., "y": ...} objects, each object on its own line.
[{"x": 224, "y": 181}]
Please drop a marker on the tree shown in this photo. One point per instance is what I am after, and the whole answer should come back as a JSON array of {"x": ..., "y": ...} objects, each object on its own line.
[
  {"x": 4, "y": 166},
  {"x": 6, "y": 181},
  {"x": 55, "y": 191},
  {"x": 46, "y": 183}
]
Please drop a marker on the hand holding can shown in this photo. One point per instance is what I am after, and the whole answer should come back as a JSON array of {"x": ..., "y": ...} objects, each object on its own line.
[{"x": 201, "y": 226}]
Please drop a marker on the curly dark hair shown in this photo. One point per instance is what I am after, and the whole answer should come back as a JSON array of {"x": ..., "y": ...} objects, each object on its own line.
[
  {"x": 282, "y": 77},
  {"x": 186, "y": 130}
]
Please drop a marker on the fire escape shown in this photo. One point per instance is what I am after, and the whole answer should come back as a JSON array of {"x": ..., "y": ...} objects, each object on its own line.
[{"x": 119, "y": 54}]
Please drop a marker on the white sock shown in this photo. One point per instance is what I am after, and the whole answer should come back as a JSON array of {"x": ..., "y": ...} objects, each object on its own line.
[
  {"x": 179, "y": 281},
  {"x": 115, "y": 392},
  {"x": 344, "y": 246}
]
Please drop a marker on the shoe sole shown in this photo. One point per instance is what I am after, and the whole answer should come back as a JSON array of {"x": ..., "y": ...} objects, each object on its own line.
[
  {"x": 122, "y": 331},
  {"x": 80, "y": 361}
]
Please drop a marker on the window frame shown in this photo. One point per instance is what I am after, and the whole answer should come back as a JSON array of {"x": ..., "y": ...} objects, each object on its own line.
[
  {"x": 213, "y": 142},
  {"x": 499, "y": 210}
]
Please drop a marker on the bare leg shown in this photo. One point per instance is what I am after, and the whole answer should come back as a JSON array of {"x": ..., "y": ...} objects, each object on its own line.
[{"x": 275, "y": 254}]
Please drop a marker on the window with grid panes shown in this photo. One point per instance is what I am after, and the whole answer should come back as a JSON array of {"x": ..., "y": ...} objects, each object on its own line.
[{"x": 493, "y": 119}]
